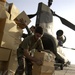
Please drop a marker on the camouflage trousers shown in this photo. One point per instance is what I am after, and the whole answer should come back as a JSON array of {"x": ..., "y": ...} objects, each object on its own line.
[{"x": 28, "y": 65}]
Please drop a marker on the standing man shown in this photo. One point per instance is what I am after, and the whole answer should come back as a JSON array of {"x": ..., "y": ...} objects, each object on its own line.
[
  {"x": 60, "y": 37},
  {"x": 29, "y": 43},
  {"x": 32, "y": 28},
  {"x": 29, "y": 30}
]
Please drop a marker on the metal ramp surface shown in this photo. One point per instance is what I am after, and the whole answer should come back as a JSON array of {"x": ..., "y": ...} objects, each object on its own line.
[{"x": 70, "y": 70}]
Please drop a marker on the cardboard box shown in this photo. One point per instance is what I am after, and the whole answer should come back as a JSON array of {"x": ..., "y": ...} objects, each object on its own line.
[
  {"x": 14, "y": 11},
  {"x": 4, "y": 54},
  {"x": 10, "y": 35},
  {"x": 48, "y": 65},
  {"x": 11, "y": 28},
  {"x": 3, "y": 12},
  {"x": 45, "y": 74},
  {"x": 23, "y": 16},
  {"x": 9, "y": 42},
  {"x": 42, "y": 69},
  {"x": 1, "y": 35},
  {"x": 3, "y": 0},
  {"x": 2, "y": 24},
  {"x": 45, "y": 56},
  {"x": 13, "y": 64}
]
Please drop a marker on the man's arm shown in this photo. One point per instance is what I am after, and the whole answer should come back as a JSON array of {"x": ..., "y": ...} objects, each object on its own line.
[
  {"x": 28, "y": 30},
  {"x": 24, "y": 35},
  {"x": 37, "y": 61}
]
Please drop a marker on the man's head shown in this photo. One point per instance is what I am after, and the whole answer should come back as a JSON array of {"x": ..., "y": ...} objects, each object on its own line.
[
  {"x": 60, "y": 37},
  {"x": 38, "y": 32},
  {"x": 32, "y": 28}
]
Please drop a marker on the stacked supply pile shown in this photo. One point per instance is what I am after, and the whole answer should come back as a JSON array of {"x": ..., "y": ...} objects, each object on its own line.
[{"x": 10, "y": 35}]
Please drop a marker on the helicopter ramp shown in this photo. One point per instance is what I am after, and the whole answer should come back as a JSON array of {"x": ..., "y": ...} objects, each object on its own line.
[{"x": 69, "y": 70}]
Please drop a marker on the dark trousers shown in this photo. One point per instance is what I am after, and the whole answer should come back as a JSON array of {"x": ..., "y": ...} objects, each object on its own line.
[{"x": 28, "y": 67}]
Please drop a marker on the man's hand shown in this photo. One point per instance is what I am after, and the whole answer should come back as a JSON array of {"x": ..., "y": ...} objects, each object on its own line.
[{"x": 38, "y": 61}]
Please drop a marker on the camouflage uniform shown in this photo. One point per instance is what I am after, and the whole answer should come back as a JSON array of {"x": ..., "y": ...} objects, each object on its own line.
[{"x": 28, "y": 43}]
